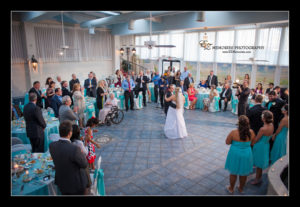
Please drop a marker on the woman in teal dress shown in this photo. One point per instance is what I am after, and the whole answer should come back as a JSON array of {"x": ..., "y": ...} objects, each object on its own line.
[
  {"x": 280, "y": 137},
  {"x": 261, "y": 145},
  {"x": 239, "y": 161}
]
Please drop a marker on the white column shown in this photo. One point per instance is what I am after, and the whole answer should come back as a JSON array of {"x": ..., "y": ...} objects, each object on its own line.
[
  {"x": 233, "y": 67},
  {"x": 215, "y": 55},
  {"x": 254, "y": 66},
  {"x": 116, "y": 53}
]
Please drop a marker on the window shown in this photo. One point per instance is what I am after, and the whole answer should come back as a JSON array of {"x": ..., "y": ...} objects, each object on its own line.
[
  {"x": 245, "y": 38},
  {"x": 137, "y": 42},
  {"x": 191, "y": 46},
  {"x": 270, "y": 39},
  {"x": 241, "y": 71},
  {"x": 164, "y": 40},
  {"x": 284, "y": 77},
  {"x": 192, "y": 68},
  {"x": 144, "y": 50},
  {"x": 223, "y": 70},
  {"x": 207, "y": 55},
  {"x": 265, "y": 74},
  {"x": 177, "y": 40},
  {"x": 225, "y": 38},
  {"x": 154, "y": 50},
  {"x": 284, "y": 60},
  {"x": 205, "y": 69}
]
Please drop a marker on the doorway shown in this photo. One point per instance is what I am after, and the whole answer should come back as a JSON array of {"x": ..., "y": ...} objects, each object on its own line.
[{"x": 172, "y": 63}]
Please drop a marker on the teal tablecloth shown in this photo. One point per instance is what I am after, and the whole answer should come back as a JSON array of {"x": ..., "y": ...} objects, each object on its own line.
[
  {"x": 200, "y": 97},
  {"x": 20, "y": 132},
  {"x": 36, "y": 186},
  {"x": 91, "y": 106}
]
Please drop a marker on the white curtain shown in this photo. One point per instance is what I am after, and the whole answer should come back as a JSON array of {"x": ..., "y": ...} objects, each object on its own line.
[
  {"x": 154, "y": 50},
  {"x": 191, "y": 45},
  {"x": 177, "y": 40},
  {"x": 207, "y": 55},
  {"x": 245, "y": 38},
  {"x": 270, "y": 39},
  {"x": 225, "y": 38},
  {"x": 164, "y": 39},
  {"x": 138, "y": 42},
  {"x": 144, "y": 50},
  {"x": 18, "y": 52},
  {"x": 284, "y": 60}
]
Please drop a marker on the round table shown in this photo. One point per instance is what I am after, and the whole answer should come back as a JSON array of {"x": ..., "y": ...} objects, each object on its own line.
[
  {"x": 18, "y": 130},
  {"x": 37, "y": 186}
]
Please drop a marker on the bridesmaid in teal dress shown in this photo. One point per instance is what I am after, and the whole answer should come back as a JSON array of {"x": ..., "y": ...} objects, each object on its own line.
[
  {"x": 280, "y": 136},
  {"x": 261, "y": 145},
  {"x": 239, "y": 161}
]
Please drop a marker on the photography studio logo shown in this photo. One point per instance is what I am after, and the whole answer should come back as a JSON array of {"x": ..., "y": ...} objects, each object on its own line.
[{"x": 204, "y": 43}]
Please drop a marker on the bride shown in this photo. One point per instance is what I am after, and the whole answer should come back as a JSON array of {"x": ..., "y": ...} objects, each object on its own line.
[{"x": 175, "y": 124}]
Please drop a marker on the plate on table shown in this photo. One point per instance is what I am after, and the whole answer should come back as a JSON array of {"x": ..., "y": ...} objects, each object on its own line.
[
  {"x": 31, "y": 162},
  {"x": 26, "y": 180},
  {"x": 38, "y": 171}
]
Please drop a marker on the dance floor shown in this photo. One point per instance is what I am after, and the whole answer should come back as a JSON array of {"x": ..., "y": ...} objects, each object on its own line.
[{"x": 140, "y": 160}]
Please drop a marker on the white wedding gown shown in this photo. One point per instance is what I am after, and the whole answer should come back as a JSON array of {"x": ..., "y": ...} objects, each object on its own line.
[{"x": 175, "y": 125}]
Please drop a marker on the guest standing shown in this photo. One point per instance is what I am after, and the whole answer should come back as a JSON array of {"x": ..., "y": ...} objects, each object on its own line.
[
  {"x": 177, "y": 78},
  {"x": 191, "y": 95},
  {"x": 101, "y": 95},
  {"x": 36, "y": 89},
  {"x": 79, "y": 102},
  {"x": 285, "y": 94},
  {"x": 254, "y": 114},
  {"x": 184, "y": 74},
  {"x": 243, "y": 94},
  {"x": 56, "y": 101},
  {"x": 169, "y": 77},
  {"x": 261, "y": 146},
  {"x": 141, "y": 82},
  {"x": 228, "y": 80},
  {"x": 277, "y": 90},
  {"x": 148, "y": 74},
  {"x": 252, "y": 94},
  {"x": 226, "y": 96},
  {"x": 163, "y": 85},
  {"x": 35, "y": 124},
  {"x": 187, "y": 81},
  {"x": 239, "y": 161},
  {"x": 48, "y": 81},
  {"x": 271, "y": 88},
  {"x": 247, "y": 77},
  {"x": 118, "y": 78},
  {"x": 128, "y": 86},
  {"x": 280, "y": 137},
  {"x": 58, "y": 78},
  {"x": 65, "y": 90},
  {"x": 155, "y": 80},
  {"x": 70, "y": 163},
  {"x": 90, "y": 85},
  {"x": 259, "y": 89},
  {"x": 66, "y": 113},
  {"x": 73, "y": 81},
  {"x": 212, "y": 79},
  {"x": 49, "y": 94}
]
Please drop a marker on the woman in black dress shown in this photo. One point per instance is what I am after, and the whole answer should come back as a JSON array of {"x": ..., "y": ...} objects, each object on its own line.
[
  {"x": 100, "y": 94},
  {"x": 177, "y": 78}
]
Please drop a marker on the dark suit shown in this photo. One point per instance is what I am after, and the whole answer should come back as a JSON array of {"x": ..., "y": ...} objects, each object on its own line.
[
  {"x": 276, "y": 110},
  {"x": 66, "y": 92},
  {"x": 143, "y": 88},
  {"x": 55, "y": 104},
  {"x": 243, "y": 101},
  {"x": 254, "y": 115},
  {"x": 39, "y": 97},
  {"x": 187, "y": 82},
  {"x": 227, "y": 95},
  {"x": 35, "y": 125},
  {"x": 169, "y": 103},
  {"x": 269, "y": 90},
  {"x": 90, "y": 91},
  {"x": 70, "y": 164},
  {"x": 214, "y": 81},
  {"x": 72, "y": 82}
]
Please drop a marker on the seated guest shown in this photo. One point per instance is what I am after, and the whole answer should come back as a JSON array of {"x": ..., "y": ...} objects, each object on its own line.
[
  {"x": 70, "y": 169},
  {"x": 271, "y": 88},
  {"x": 110, "y": 102},
  {"x": 280, "y": 137},
  {"x": 284, "y": 94},
  {"x": 191, "y": 95},
  {"x": 177, "y": 78},
  {"x": 228, "y": 80},
  {"x": 252, "y": 94},
  {"x": 65, "y": 112},
  {"x": 239, "y": 161},
  {"x": 36, "y": 89},
  {"x": 35, "y": 124},
  {"x": 79, "y": 141},
  {"x": 209, "y": 103},
  {"x": 58, "y": 78},
  {"x": 73, "y": 81},
  {"x": 56, "y": 101},
  {"x": 277, "y": 90},
  {"x": 90, "y": 85},
  {"x": 16, "y": 112},
  {"x": 187, "y": 81},
  {"x": 212, "y": 79},
  {"x": 48, "y": 81},
  {"x": 254, "y": 114},
  {"x": 79, "y": 102},
  {"x": 203, "y": 84},
  {"x": 259, "y": 89},
  {"x": 261, "y": 146},
  {"x": 225, "y": 95}
]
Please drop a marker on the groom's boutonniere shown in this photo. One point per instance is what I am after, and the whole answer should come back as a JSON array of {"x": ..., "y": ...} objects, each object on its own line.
[{"x": 273, "y": 103}]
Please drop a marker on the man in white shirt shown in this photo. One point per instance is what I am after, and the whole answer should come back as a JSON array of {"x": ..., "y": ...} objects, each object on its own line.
[{"x": 184, "y": 74}]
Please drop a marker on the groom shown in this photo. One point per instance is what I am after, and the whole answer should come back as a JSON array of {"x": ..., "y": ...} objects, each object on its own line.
[{"x": 168, "y": 102}]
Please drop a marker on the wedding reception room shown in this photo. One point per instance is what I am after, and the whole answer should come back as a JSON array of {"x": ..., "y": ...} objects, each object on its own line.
[{"x": 149, "y": 103}]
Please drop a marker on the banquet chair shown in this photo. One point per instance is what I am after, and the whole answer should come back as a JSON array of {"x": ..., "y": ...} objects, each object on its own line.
[
  {"x": 229, "y": 108},
  {"x": 20, "y": 149},
  {"x": 16, "y": 140},
  {"x": 98, "y": 187}
]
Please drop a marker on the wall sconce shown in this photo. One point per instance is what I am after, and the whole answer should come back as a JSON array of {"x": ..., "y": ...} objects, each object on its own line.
[
  {"x": 122, "y": 51},
  {"x": 133, "y": 50},
  {"x": 34, "y": 62}
]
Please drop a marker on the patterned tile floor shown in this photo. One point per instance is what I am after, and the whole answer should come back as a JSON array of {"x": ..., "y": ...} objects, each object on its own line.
[{"x": 140, "y": 160}]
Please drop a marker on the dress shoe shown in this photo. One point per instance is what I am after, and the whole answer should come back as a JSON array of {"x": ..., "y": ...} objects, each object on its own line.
[{"x": 132, "y": 109}]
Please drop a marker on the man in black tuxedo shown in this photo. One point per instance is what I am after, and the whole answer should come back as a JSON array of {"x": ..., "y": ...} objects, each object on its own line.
[
  {"x": 65, "y": 90},
  {"x": 225, "y": 95},
  {"x": 73, "y": 81},
  {"x": 243, "y": 93},
  {"x": 36, "y": 89},
  {"x": 141, "y": 85},
  {"x": 56, "y": 101},
  {"x": 90, "y": 85},
  {"x": 254, "y": 114},
  {"x": 70, "y": 163},
  {"x": 271, "y": 88},
  {"x": 187, "y": 81},
  {"x": 168, "y": 102},
  {"x": 35, "y": 124},
  {"x": 212, "y": 79}
]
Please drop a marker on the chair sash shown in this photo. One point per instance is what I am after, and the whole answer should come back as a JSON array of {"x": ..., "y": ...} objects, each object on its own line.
[
  {"x": 98, "y": 178},
  {"x": 217, "y": 98}
]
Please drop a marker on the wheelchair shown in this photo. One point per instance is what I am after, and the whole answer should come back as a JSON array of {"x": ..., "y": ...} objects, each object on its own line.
[{"x": 115, "y": 116}]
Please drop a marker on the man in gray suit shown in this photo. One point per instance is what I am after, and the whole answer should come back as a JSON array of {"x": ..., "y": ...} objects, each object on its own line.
[
  {"x": 70, "y": 163},
  {"x": 65, "y": 112}
]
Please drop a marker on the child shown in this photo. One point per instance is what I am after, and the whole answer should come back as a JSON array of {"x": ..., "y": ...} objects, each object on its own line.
[{"x": 91, "y": 123}]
